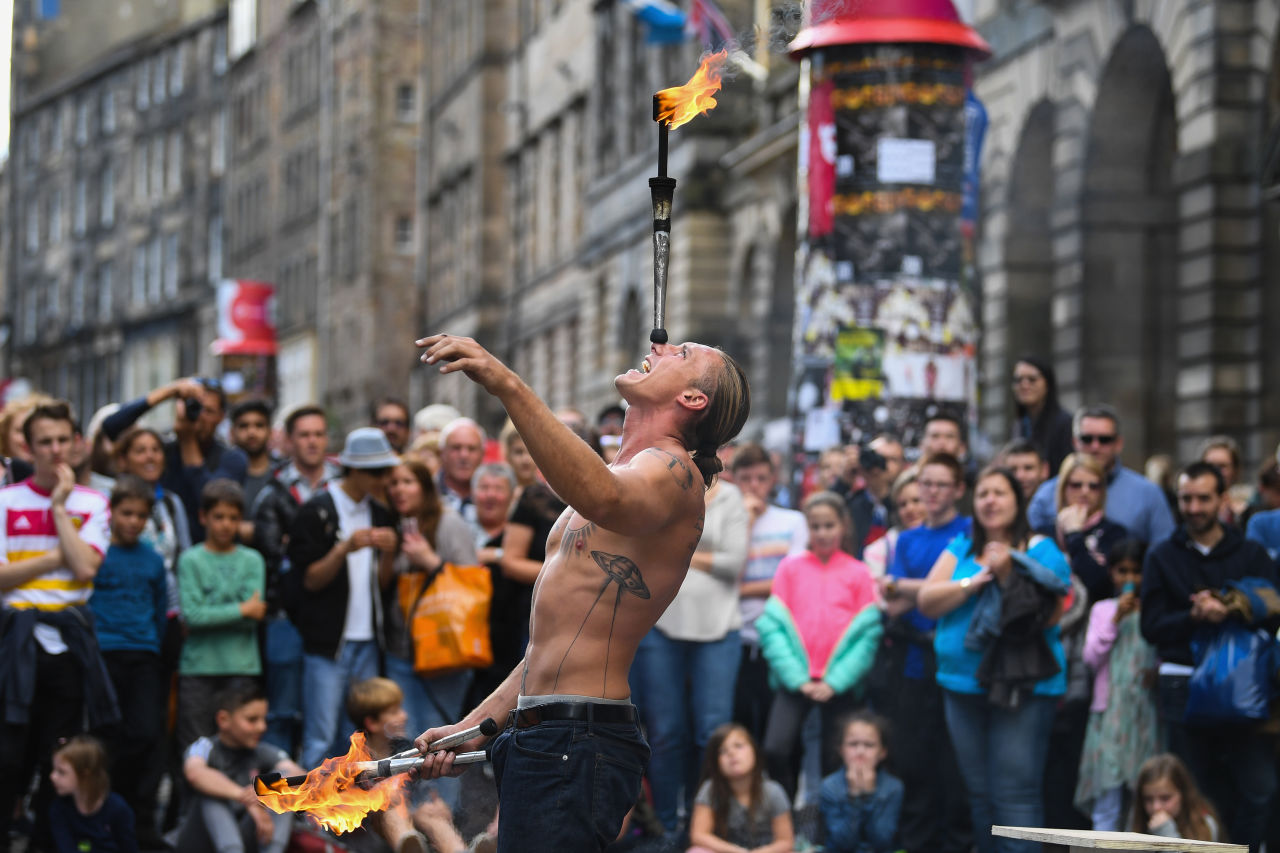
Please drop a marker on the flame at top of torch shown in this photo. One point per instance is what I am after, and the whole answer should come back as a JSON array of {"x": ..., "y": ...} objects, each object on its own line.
[{"x": 679, "y": 104}]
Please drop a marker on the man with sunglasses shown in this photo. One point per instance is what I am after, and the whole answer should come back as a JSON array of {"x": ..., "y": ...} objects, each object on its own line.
[
  {"x": 1132, "y": 500},
  {"x": 391, "y": 415},
  {"x": 341, "y": 542}
]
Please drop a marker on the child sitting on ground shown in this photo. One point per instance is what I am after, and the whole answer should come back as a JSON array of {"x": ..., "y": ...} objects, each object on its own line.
[
  {"x": 860, "y": 803},
  {"x": 738, "y": 809},
  {"x": 87, "y": 817},
  {"x": 1169, "y": 803},
  {"x": 225, "y": 813},
  {"x": 376, "y": 707}
]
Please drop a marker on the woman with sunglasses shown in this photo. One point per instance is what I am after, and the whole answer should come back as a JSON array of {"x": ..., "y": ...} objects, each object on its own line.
[
  {"x": 1083, "y": 533},
  {"x": 1038, "y": 416}
]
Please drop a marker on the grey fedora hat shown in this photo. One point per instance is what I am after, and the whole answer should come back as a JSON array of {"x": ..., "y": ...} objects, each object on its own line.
[{"x": 367, "y": 447}]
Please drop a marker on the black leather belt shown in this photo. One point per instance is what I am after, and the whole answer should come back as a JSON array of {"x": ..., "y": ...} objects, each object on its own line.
[{"x": 583, "y": 712}]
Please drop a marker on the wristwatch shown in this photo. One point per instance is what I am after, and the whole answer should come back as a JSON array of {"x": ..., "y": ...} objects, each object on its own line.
[{"x": 965, "y": 583}]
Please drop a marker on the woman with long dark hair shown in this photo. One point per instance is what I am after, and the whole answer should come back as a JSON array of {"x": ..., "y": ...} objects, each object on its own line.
[
  {"x": 1000, "y": 725},
  {"x": 430, "y": 536},
  {"x": 1038, "y": 416}
]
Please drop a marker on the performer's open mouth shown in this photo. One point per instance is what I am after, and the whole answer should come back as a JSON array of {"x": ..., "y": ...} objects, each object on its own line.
[{"x": 644, "y": 366}]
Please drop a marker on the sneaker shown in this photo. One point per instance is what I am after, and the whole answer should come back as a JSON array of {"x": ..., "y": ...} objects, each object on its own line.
[{"x": 413, "y": 842}]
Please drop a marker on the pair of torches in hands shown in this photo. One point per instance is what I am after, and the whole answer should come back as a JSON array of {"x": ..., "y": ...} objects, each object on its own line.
[{"x": 342, "y": 791}]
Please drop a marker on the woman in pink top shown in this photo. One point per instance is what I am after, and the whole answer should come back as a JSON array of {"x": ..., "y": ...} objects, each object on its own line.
[
  {"x": 1122, "y": 731},
  {"x": 819, "y": 632}
]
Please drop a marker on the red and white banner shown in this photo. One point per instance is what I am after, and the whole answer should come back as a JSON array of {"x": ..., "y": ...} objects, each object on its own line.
[{"x": 246, "y": 318}]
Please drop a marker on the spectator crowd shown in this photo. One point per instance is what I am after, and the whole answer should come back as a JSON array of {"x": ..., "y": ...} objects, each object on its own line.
[{"x": 902, "y": 652}]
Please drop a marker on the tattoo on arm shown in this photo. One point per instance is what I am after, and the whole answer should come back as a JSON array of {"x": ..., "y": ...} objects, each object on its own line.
[
  {"x": 679, "y": 470},
  {"x": 626, "y": 574},
  {"x": 693, "y": 546}
]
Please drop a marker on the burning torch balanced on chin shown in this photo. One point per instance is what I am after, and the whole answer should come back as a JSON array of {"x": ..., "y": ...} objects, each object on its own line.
[{"x": 672, "y": 108}]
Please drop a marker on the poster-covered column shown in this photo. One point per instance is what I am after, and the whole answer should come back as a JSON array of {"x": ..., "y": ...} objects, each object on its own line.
[{"x": 887, "y": 320}]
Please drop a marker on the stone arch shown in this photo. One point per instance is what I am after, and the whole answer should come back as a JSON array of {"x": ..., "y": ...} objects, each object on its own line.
[
  {"x": 780, "y": 319},
  {"x": 1028, "y": 246},
  {"x": 1128, "y": 213}
]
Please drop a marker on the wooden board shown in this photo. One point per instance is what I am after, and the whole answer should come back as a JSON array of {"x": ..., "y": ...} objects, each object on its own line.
[{"x": 1086, "y": 839}]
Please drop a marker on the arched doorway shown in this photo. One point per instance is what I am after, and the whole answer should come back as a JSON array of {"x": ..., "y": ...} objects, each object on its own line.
[
  {"x": 1028, "y": 249},
  {"x": 631, "y": 333},
  {"x": 1129, "y": 214}
]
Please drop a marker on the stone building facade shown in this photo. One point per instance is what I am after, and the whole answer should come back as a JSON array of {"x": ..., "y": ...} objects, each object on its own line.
[
  {"x": 323, "y": 120},
  {"x": 111, "y": 196},
  {"x": 1124, "y": 232},
  {"x": 538, "y": 141}
]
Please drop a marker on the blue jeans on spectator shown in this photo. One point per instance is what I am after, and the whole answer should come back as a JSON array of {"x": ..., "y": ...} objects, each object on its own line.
[
  {"x": 684, "y": 690},
  {"x": 325, "y": 728},
  {"x": 431, "y": 702},
  {"x": 1234, "y": 764},
  {"x": 1001, "y": 755},
  {"x": 566, "y": 785},
  {"x": 283, "y": 670}
]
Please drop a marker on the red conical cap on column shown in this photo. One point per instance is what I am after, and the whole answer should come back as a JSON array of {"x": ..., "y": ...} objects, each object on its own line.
[{"x": 835, "y": 22}]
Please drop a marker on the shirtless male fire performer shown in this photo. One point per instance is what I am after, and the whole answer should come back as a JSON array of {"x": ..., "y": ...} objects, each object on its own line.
[{"x": 570, "y": 760}]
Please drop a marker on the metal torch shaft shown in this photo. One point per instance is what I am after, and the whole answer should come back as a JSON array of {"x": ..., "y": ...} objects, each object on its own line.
[
  {"x": 392, "y": 766},
  {"x": 662, "y": 190}
]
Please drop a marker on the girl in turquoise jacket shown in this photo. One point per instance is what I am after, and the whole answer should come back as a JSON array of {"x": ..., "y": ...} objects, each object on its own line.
[{"x": 819, "y": 632}]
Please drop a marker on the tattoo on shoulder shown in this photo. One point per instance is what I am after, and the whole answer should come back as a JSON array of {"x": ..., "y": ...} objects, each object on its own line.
[
  {"x": 575, "y": 538},
  {"x": 679, "y": 470},
  {"x": 626, "y": 574}
]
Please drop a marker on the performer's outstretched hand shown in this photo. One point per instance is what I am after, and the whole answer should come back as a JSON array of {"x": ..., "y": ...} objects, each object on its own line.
[
  {"x": 437, "y": 764},
  {"x": 465, "y": 354}
]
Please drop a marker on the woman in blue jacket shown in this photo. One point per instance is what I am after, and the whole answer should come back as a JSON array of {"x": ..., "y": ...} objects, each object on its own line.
[{"x": 999, "y": 725}]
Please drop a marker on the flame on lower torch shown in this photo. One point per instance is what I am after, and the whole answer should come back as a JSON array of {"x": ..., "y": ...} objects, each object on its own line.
[
  {"x": 330, "y": 795},
  {"x": 679, "y": 104}
]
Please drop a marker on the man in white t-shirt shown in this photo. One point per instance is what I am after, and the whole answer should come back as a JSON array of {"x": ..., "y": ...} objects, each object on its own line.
[
  {"x": 340, "y": 546},
  {"x": 775, "y": 533},
  {"x": 53, "y": 535}
]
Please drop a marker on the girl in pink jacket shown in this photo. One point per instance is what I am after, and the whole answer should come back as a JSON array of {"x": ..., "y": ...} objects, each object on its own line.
[{"x": 819, "y": 632}]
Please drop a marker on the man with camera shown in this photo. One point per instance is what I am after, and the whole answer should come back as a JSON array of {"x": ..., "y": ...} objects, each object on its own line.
[
  {"x": 193, "y": 455},
  {"x": 873, "y": 469}
]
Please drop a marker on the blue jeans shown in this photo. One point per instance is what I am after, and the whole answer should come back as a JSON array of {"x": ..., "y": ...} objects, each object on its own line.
[
  {"x": 325, "y": 729},
  {"x": 283, "y": 670},
  {"x": 431, "y": 702},
  {"x": 566, "y": 785},
  {"x": 1002, "y": 755},
  {"x": 684, "y": 690},
  {"x": 1234, "y": 763}
]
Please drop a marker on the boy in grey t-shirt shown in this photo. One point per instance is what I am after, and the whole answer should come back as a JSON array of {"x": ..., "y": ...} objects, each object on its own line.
[{"x": 221, "y": 769}]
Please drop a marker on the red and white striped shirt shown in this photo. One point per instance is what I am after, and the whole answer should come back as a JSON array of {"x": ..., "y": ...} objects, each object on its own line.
[{"x": 27, "y": 530}]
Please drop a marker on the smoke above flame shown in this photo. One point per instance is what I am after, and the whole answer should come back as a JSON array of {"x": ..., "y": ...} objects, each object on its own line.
[
  {"x": 679, "y": 104},
  {"x": 330, "y": 794}
]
